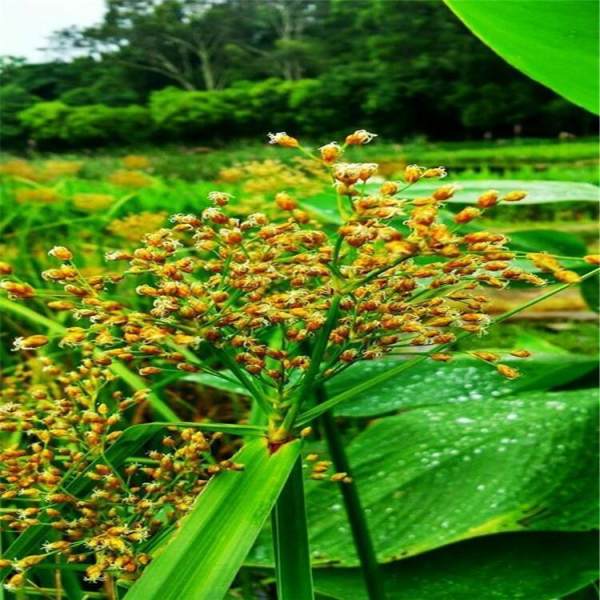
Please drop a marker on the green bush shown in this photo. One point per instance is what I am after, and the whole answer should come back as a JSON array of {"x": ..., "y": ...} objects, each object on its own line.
[
  {"x": 131, "y": 123},
  {"x": 45, "y": 121},
  {"x": 58, "y": 124},
  {"x": 87, "y": 124},
  {"x": 311, "y": 107},
  {"x": 264, "y": 105},
  {"x": 326, "y": 105},
  {"x": 178, "y": 113},
  {"x": 13, "y": 100}
]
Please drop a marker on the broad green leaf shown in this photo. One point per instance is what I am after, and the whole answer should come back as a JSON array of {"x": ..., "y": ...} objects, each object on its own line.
[
  {"x": 202, "y": 558},
  {"x": 553, "y": 42},
  {"x": 548, "y": 240},
  {"x": 462, "y": 380},
  {"x": 527, "y": 566},
  {"x": 436, "y": 475}
]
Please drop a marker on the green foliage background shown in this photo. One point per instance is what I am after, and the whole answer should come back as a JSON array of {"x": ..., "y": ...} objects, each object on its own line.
[{"x": 195, "y": 69}]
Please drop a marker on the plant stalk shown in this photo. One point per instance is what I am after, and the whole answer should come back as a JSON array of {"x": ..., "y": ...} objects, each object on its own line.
[
  {"x": 356, "y": 515},
  {"x": 290, "y": 540}
]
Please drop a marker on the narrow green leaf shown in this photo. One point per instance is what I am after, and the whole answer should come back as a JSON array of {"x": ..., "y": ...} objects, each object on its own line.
[
  {"x": 218, "y": 383},
  {"x": 590, "y": 290},
  {"x": 532, "y": 566},
  {"x": 290, "y": 540},
  {"x": 553, "y": 242},
  {"x": 554, "y": 42},
  {"x": 202, "y": 558}
]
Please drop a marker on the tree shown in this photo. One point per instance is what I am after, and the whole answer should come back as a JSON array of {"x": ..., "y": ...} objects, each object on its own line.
[{"x": 180, "y": 40}]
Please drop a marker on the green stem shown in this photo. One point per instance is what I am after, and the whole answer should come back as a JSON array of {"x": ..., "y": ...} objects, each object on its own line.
[
  {"x": 315, "y": 364},
  {"x": 354, "y": 510},
  {"x": 290, "y": 540}
]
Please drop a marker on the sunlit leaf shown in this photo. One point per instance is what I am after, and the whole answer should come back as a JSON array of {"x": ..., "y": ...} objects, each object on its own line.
[
  {"x": 459, "y": 381},
  {"x": 538, "y": 192},
  {"x": 436, "y": 475},
  {"x": 554, "y": 42},
  {"x": 207, "y": 550}
]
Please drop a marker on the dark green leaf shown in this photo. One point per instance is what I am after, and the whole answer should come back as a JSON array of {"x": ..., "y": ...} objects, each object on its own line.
[
  {"x": 553, "y": 242},
  {"x": 529, "y": 566},
  {"x": 590, "y": 290},
  {"x": 436, "y": 475}
]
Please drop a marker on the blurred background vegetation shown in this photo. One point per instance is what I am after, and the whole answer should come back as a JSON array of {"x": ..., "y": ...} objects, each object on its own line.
[{"x": 205, "y": 71}]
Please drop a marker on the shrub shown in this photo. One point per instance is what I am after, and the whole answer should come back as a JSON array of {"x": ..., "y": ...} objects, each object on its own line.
[
  {"x": 131, "y": 123},
  {"x": 45, "y": 121},
  {"x": 179, "y": 113},
  {"x": 325, "y": 104},
  {"x": 85, "y": 124},
  {"x": 13, "y": 100},
  {"x": 263, "y": 105},
  {"x": 96, "y": 124}
]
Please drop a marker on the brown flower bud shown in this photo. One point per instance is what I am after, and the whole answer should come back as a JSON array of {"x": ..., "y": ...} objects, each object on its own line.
[
  {"x": 467, "y": 214},
  {"x": 507, "y": 371},
  {"x": 61, "y": 253},
  {"x": 488, "y": 199}
]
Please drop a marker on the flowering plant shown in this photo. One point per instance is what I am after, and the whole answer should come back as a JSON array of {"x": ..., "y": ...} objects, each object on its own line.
[{"x": 278, "y": 305}]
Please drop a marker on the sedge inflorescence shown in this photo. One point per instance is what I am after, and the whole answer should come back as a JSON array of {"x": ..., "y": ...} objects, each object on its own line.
[
  {"x": 283, "y": 304},
  {"x": 64, "y": 482}
]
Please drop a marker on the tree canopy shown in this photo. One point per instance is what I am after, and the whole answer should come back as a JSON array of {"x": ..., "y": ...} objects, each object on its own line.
[{"x": 407, "y": 68}]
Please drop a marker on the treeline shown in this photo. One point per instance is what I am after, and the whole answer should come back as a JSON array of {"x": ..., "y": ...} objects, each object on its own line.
[{"x": 214, "y": 69}]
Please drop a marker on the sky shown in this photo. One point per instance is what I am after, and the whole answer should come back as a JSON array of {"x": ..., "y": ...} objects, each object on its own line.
[{"x": 25, "y": 25}]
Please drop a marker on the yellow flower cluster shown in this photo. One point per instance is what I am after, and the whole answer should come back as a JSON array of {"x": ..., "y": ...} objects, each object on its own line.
[
  {"x": 134, "y": 226},
  {"x": 92, "y": 202},
  {"x": 96, "y": 512},
  {"x": 130, "y": 179}
]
